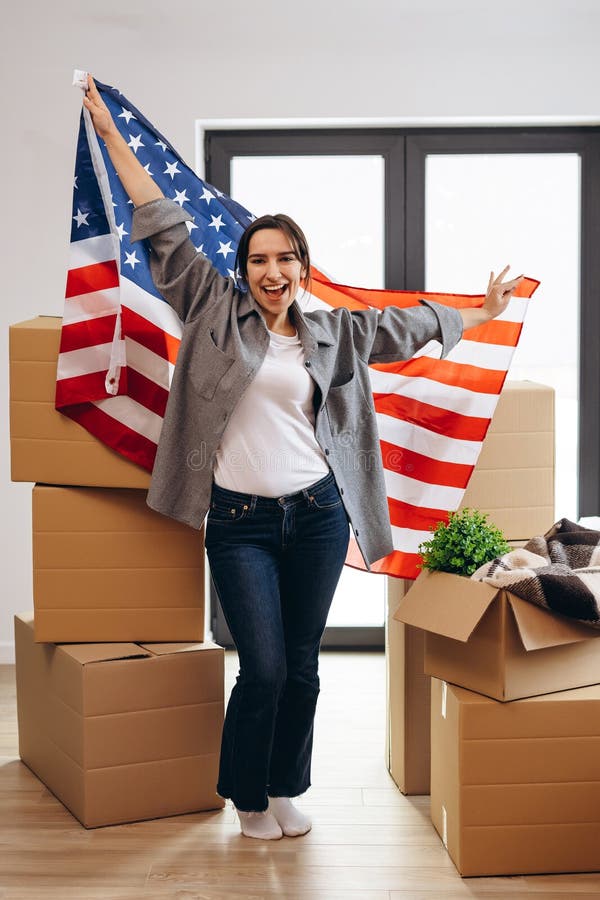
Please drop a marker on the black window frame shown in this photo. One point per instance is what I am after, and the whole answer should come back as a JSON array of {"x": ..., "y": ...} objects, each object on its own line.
[{"x": 405, "y": 150}]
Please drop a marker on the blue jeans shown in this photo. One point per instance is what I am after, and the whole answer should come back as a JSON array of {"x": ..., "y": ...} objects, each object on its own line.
[{"x": 275, "y": 564}]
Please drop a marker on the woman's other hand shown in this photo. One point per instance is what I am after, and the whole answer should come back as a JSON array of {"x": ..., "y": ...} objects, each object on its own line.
[
  {"x": 499, "y": 293},
  {"x": 497, "y": 298}
]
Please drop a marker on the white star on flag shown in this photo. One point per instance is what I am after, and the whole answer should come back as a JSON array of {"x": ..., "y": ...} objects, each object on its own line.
[
  {"x": 181, "y": 197},
  {"x": 81, "y": 218},
  {"x": 217, "y": 222},
  {"x": 200, "y": 249},
  {"x": 206, "y": 195},
  {"x": 126, "y": 114},
  {"x": 131, "y": 260},
  {"x": 225, "y": 249},
  {"x": 135, "y": 142},
  {"x": 161, "y": 144},
  {"x": 190, "y": 225},
  {"x": 172, "y": 170},
  {"x": 147, "y": 168},
  {"x": 121, "y": 231},
  {"x": 75, "y": 182}
]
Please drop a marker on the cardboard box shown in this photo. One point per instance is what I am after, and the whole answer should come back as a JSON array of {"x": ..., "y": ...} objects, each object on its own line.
[
  {"x": 46, "y": 446},
  {"x": 408, "y": 699},
  {"x": 108, "y": 568},
  {"x": 495, "y": 643},
  {"x": 121, "y": 732},
  {"x": 513, "y": 481},
  {"x": 515, "y": 787}
]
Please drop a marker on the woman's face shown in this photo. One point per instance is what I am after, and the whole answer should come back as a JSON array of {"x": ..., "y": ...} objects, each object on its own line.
[{"x": 274, "y": 271}]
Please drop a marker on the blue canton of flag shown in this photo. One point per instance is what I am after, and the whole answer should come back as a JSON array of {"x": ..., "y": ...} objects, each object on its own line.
[{"x": 217, "y": 221}]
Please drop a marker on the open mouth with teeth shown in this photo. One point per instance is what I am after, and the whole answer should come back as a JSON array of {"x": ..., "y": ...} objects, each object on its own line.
[{"x": 274, "y": 292}]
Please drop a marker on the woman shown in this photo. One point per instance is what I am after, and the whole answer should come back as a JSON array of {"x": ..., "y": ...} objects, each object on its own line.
[{"x": 270, "y": 428}]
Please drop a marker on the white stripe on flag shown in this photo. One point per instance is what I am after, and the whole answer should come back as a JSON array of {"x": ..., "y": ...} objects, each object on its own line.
[
  {"x": 84, "y": 361},
  {"x": 133, "y": 415},
  {"x": 156, "y": 311},
  {"x": 91, "y": 251},
  {"x": 473, "y": 353},
  {"x": 86, "y": 307},
  {"x": 149, "y": 364},
  {"x": 419, "y": 493},
  {"x": 408, "y": 436},
  {"x": 515, "y": 311},
  {"x": 426, "y": 390},
  {"x": 408, "y": 539}
]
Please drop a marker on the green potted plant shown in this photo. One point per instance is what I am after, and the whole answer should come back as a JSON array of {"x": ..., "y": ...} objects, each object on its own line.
[{"x": 463, "y": 544}]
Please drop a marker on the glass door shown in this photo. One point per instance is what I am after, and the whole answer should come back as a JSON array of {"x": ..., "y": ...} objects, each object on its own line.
[
  {"x": 483, "y": 211},
  {"x": 428, "y": 209}
]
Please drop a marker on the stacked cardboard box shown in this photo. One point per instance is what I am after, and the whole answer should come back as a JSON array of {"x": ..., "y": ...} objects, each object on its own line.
[
  {"x": 515, "y": 787},
  {"x": 119, "y": 697},
  {"x": 513, "y": 483},
  {"x": 515, "y": 764}
]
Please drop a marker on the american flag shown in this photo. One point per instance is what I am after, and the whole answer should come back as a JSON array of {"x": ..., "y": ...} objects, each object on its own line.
[{"x": 120, "y": 338}]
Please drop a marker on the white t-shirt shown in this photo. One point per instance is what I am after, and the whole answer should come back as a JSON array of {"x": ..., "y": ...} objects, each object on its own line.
[{"x": 269, "y": 445}]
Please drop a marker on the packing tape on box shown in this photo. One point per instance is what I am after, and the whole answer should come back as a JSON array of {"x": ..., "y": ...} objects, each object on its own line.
[{"x": 444, "y": 827}]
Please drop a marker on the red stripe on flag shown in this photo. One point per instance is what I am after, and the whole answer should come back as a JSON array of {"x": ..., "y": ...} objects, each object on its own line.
[
  {"x": 335, "y": 295},
  {"x": 420, "y": 518},
  {"x": 149, "y": 335},
  {"x": 114, "y": 434},
  {"x": 397, "y": 563},
  {"x": 379, "y": 298},
  {"x": 424, "y": 468},
  {"x": 463, "y": 375},
  {"x": 147, "y": 392},
  {"x": 506, "y": 334},
  {"x": 96, "y": 277},
  {"x": 89, "y": 333},
  {"x": 434, "y": 418},
  {"x": 82, "y": 388}
]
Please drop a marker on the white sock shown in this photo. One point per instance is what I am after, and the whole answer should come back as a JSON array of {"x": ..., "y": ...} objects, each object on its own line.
[
  {"x": 259, "y": 824},
  {"x": 292, "y": 821}
]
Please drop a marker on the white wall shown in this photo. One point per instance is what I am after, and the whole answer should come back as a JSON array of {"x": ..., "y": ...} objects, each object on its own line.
[{"x": 180, "y": 60}]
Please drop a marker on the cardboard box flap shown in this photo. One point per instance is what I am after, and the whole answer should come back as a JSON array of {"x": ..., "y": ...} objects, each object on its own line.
[
  {"x": 540, "y": 628},
  {"x": 90, "y": 653},
  {"x": 179, "y": 647},
  {"x": 446, "y": 605}
]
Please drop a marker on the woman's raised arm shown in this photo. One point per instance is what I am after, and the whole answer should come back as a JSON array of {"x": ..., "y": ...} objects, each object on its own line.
[{"x": 139, "y": 186}]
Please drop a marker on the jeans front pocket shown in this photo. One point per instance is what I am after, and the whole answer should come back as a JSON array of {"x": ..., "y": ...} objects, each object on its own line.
[
  {"x": 327, "y": 497},
  {"x": 223, "y": 511}
]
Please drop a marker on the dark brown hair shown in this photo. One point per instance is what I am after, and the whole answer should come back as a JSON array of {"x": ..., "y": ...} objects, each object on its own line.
[{"x": 289, "y": 228}]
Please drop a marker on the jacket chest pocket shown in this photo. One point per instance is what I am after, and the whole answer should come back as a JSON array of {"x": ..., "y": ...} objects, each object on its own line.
[
  {"x": 210, "y": 364},
  {"x": 346, "y": 403}
]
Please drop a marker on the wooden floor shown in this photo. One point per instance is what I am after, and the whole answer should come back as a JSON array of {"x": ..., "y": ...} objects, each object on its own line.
[{"x": 368, "y": 842}]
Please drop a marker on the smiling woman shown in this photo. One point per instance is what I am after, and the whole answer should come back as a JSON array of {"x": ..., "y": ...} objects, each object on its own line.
[
  {"x": 273, "y": 258},
  {"x": 280, "y": 403}
]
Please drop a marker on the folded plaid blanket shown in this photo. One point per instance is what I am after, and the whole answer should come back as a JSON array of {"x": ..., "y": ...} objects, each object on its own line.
[{"x": 559, "y": 571}]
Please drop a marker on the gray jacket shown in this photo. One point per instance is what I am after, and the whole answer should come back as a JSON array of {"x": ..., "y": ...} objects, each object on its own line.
[{"x": 224, "y": 342}]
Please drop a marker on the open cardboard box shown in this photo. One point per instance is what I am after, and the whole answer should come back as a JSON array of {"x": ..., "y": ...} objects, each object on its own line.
[
  {"x": 121, "y": 732},
  {"x": 515, "y": 787},
  {"x": 495, "y": 643}
]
